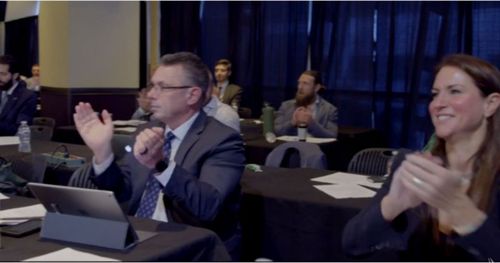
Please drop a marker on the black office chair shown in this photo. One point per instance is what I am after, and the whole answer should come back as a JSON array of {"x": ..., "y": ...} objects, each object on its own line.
[
  {"x": 40, "y": 132},
  {"x": 371, "y": 161},
  {"x": 44, "y": 121},
  {"x": 297, "y": 154}
]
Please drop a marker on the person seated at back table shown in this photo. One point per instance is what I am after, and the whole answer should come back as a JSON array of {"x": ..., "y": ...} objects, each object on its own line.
[
  {"x": 443, "y": 205},
  {"x": 220, "y": 111},
  {"x": 228, "y": 93},
  {"x": 307, "y": 108},
  {"x": 143, "y": 111},
  {"x": 17, "y": 103},
  {"x": 33, "y": 83},
  {"x": 186, "y": 171}
]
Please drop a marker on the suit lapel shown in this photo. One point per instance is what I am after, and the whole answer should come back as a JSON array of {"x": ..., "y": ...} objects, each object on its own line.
[
  {"x": 11, "y": 101},
  {"x": 191, "y": 137}
]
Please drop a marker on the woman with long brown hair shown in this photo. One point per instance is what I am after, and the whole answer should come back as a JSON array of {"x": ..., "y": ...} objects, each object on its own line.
[{"x": 444, "y": 205}]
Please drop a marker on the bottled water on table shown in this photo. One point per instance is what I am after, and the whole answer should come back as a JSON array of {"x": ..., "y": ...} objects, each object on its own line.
[{"x": 24, "y": 134}]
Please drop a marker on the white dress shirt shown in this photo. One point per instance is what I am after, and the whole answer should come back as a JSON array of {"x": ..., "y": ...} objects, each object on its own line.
[{"x": 223, "y": 113}]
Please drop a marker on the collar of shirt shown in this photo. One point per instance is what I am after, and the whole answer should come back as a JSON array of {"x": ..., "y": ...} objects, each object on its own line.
[
  {"x": 315, "y": 106},
  {"x": 211, "y": 106},
  {"x": 11, "y": 90},
  {"x": 223, "y": 87},
  {"x": 180, "y": 132}
]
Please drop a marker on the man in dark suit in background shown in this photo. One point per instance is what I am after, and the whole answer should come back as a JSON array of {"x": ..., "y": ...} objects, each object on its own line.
[
  {"x": 187, "y": 170},
  {"x": 308, "y": 108},
  {"x": 228, "y": 93},
  {"x": 17, "y": 103}
]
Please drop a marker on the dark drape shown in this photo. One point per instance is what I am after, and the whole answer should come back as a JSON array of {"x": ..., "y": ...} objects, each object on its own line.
[
  {"x": 268, "y": 43},
  {"x": 377, "y": 58},
  {"x": 180, "y": 26},
  {"x": 265, "y": 41},
  {"x": 21, "y": 41},
  {"x": 342, "y": 48}
]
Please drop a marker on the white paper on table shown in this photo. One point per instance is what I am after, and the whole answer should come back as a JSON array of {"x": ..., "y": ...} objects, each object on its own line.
[
  {"x": 347, "y": 178},
  {"x": 126, "y": 129},
  {"x": 288, "y": 138},
  {"x": 128, "y": 122},
  {"x": 9, "y": 140},
  {"x": 340, "y": 191},
  {"x": 69, "y": 254},
  {"x": 23, "y": 212},
  {"x": 2, "y": 196}
]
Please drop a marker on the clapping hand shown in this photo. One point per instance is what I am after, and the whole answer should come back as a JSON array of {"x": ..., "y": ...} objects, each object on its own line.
[
  {"x": 148, "y": 146},
  {"x": 301, "y": 115},
  {"x": 443, "y": 189},
  {"x": 96, "y": 133}
]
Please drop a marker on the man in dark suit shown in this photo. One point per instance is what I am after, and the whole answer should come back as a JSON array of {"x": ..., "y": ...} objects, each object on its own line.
[
  {"x": 228, "y": 93},
  {"x": 186, "y": 171},
  {"x": 309, "y": 109},
  {"x": 17, "y": 103}
]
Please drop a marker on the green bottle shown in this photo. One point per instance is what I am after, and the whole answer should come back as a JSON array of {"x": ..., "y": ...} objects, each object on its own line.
[{"x": 267, "y": 119}]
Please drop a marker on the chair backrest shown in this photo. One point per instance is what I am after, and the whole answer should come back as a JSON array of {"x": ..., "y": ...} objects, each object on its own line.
[
  {"x": 44, "y": 121},
  {"x": 371, "y": 161},
  {"x": 297, "y": 154},
  {"x": 40, "y": 132},
  {"x": 81, "y": 178}
]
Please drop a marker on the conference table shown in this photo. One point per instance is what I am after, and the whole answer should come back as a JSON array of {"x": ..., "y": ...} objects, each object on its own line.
[
  {"x": 285, "y": 218},
  {"x": 172, "y": 242}
]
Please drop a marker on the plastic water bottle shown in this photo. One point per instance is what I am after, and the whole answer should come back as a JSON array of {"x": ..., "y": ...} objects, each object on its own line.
[{"x": 24, "y": 134}]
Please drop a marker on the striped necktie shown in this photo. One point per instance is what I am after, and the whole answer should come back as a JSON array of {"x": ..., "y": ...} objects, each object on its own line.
[{"x": 153, "y": 186}]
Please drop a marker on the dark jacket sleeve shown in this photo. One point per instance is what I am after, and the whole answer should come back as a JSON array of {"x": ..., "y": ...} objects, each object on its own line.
[
  {"x": 22, "y": 110},
  {"x": 283, "y": 121},
  {"x": 484, "y": 242},
  {"x": 369, "y": 231},
  {"x": 204, "y": 195},
  {"x": 327, "y": 127}
]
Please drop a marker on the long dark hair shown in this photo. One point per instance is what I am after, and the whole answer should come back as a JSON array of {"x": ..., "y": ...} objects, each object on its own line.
[{"x": 486, "y": 164}]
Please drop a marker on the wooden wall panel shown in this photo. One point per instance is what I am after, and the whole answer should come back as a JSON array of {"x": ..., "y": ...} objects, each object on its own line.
[{"x": 59, "y": 103}]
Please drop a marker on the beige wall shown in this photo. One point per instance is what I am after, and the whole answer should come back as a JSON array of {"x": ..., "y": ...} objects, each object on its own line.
[{"x": 89, "y": 44}]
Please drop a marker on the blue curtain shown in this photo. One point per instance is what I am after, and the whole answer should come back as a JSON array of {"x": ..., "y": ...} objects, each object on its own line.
[
  {"x": 21, "y": 41},
  {"x": 180, "y": 26},
  {"x": 377, "y": 58},
  {"x": 342, "y": 48},
  {"x": 266, "y": 43}
]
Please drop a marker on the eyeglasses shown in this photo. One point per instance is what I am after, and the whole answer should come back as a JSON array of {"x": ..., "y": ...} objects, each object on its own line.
[{"x": 157, "y": 88}]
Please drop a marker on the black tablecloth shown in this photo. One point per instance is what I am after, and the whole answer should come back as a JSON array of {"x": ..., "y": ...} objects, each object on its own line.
[
  {"x": 174, "y": 242},
  {"x": 285, "y": 218}
]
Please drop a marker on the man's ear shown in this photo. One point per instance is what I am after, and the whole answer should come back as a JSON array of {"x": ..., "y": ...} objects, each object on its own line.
[
  {"x": 491, "y": 104},
  {"x": 317, "y": 87},
  {"x": 15, "y": 76},
  {"x": 194, "y": 95},
  {"x": 229, "y": 73}
]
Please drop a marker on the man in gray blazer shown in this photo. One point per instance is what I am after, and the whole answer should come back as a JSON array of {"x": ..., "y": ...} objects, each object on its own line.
[
  {"x": 228, "y": 93},
  {"x": 186, "y": 171},
  {"x": 308, "y": 108}
]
